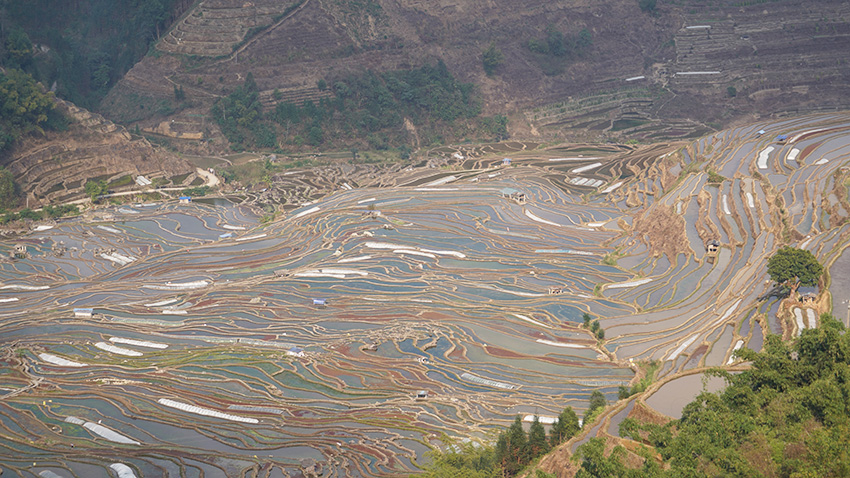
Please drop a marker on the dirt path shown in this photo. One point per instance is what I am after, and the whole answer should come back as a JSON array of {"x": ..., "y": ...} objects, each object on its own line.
[{"x": 210, "y": 179}]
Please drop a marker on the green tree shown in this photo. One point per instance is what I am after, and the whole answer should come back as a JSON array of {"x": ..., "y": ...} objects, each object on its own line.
[
  {"x": 239, "y": 112},
  {"x": 511, "y": 448},
  {"x": 647, "y": 6},
  {"x": 537, "y": 444},
  {"x": 462, "y": 460},
  {"x": 315, "y": 135},
  {"x": 555, "y": 41},
  {"x": 791, "y": 267},
  {"x": 24, "y": 106},
  {"x": 597, "y": 401},
  {"x": 18, "y": 48},
  {"x": 95, "y": 188},
  {"x": 565, "y": 428},
  {"x": 492, "y": 57},
  {"x": 9, "y": 190},
  {"x": 594, "y": 463}
]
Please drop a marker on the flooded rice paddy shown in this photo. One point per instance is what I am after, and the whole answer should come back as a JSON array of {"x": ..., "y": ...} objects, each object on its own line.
[{"x": 191, "y": 340}]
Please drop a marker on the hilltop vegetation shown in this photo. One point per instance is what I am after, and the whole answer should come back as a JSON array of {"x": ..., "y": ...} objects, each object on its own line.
[{"x": 787, "y": 416}]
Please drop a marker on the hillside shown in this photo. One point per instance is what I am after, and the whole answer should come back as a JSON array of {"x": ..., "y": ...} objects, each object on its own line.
[
  {"x": 53, "y": 167},
  {"x": 678, "y": 71}
]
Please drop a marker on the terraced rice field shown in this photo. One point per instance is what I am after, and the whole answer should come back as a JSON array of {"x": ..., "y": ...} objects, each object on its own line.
[{"x": 219, "y": 346}]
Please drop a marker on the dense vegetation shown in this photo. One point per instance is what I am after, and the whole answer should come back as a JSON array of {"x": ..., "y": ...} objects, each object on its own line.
[
  {"x": 48, "y": 212},
  {"x": 514, "y": 450},
  {"x": 24, "y": 108},
  {"x": 84, "y": 46},
  {"x": 787, "y": 416},
  {"x": 363, "y": 108},
  {"x": 555, "y": 51}
]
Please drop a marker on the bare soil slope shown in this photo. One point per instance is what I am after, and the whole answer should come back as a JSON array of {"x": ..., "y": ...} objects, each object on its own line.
[{"x": 678, "y": 73}]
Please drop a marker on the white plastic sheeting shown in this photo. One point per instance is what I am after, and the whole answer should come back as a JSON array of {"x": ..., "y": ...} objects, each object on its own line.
[
  {"x": 123, "y": 470},
  {"x": 62, "y": 362},
  {"x": 117, "y": 350},
  {"x": 49, "y": 474},
  {"x": 138, "y": 343},
  {"x": 205, "y": 411},
  {"x": 102, "y": 431}
]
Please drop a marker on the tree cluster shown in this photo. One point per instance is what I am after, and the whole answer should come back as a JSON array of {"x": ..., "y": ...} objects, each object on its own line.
[
  {"x": 53, "y": 212},
  {"x": 647, "y": 6},
  {"x": 787, "y": 416},
  {"x": 491, "y": 58},
  {"x": 513, "y": 451},
  {"x": 24, "y": 107},
  {"x": 95, "y": 189},
  {"x": 92, "y": 43},
  {"x": 366, "y": 105},
  {"x": 239, "y": 115},
  {"x": 554, "y": 52},
  {"x": 594, "y": 326}
]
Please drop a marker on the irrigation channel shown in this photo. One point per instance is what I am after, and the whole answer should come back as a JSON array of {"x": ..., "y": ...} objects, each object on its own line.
[{"x": 190, "y": 340}]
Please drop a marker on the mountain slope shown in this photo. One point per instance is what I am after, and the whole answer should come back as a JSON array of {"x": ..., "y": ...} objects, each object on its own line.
[{"x": 689, "y": 64}]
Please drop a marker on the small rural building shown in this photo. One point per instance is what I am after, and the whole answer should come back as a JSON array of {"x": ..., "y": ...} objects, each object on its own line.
[
  {"x": 506, "y": 161},
  {"x": 514, "y": 195},
  {"x": 83, "y": 313},
  {"x": 808, "y": 298},
  {"x": 422, "y": 395},
  {"x": 555, "y": 290},
  {"x": 185, "y": 199},
  {"x": 711, "y": 248},
  {"x": 782, "y": 138},
  {"x": 20, "y": 250},
  {"x": 295, "y": 352},
  {"x": 320, "y": 302}
]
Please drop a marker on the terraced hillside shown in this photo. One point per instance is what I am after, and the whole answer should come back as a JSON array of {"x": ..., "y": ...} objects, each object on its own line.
[
  {"x": 54, "y": 168},
  {"x": 650, "y": 76},
  {"x": 345, "y": 336},
  {"x": 215, "y": 26}
]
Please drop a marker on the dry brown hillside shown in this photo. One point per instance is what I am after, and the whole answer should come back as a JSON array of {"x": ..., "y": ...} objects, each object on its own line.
[
  {"x": 689, "y": 67},
  {"x": 54, "y": 168}
]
